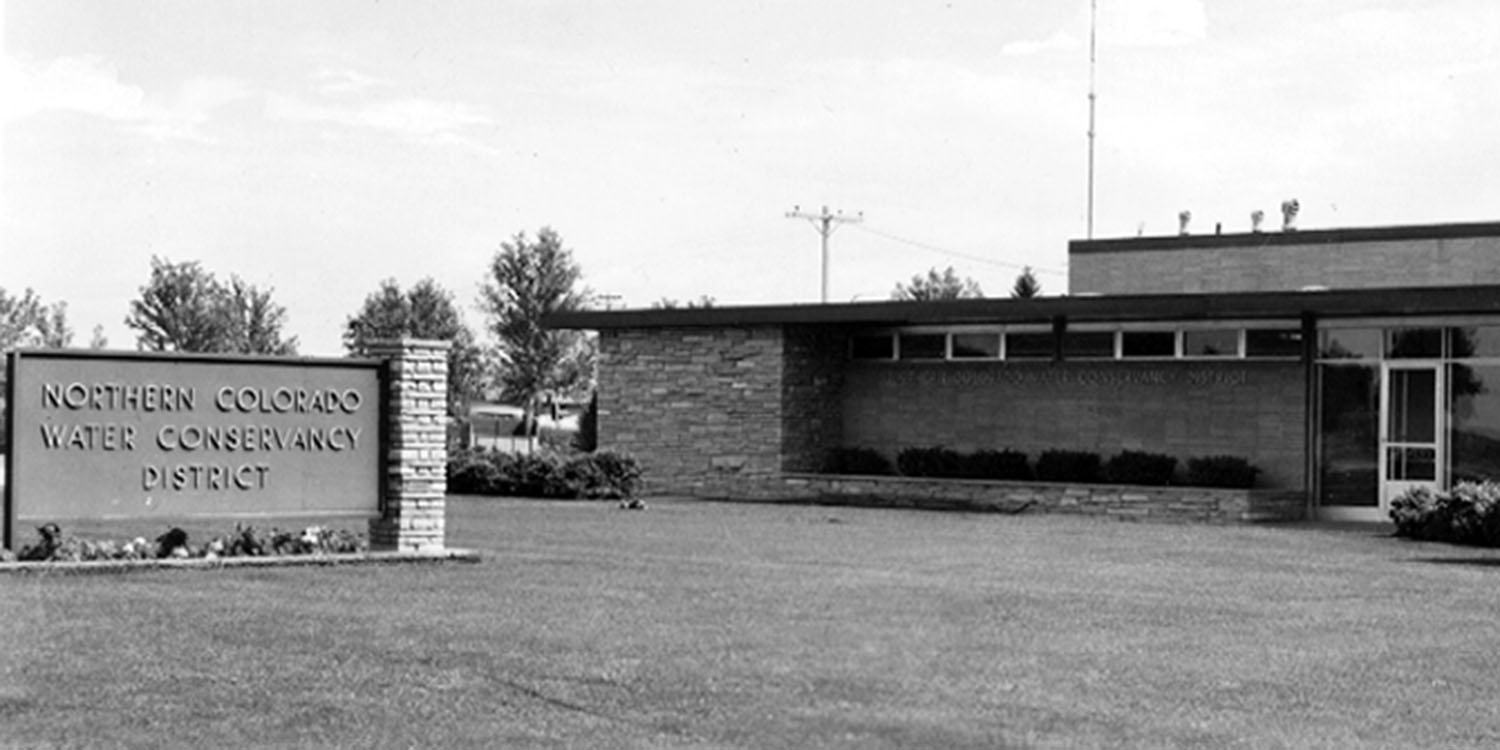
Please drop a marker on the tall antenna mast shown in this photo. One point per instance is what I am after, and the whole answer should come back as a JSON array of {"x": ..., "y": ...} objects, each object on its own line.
[
  {"x": 1093, "y": 24},
  {"x": 825, "y": 223}
]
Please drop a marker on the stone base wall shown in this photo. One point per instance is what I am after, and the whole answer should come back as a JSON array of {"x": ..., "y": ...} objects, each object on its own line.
[{"x": 1156, "y": 504}]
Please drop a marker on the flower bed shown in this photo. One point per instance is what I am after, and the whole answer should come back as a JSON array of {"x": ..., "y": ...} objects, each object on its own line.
[{"x": 53, "y": 545}]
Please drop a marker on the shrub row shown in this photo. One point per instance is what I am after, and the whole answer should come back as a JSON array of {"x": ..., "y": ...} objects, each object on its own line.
[
  {"x": 598, "y": 475},
  {"x": 1467, "y": 514},
  {"x": 1082, "y": 467}
]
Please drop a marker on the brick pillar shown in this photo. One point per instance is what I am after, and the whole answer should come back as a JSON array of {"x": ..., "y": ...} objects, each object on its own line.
[{"x": 415, "y": 444}]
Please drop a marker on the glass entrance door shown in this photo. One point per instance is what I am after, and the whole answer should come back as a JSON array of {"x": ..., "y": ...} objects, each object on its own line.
[{"x": 1411, "y": 442}]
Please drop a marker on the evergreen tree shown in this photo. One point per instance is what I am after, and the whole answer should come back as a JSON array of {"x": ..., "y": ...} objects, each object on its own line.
[{"x": 1026, "y": 285}]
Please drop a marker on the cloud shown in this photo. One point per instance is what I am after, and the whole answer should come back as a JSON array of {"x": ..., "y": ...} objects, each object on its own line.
[
  {"x": 413, "y": 118},
  {"x": 1153, "y": 23},
  {"x": 336, "y": 81},
  {"x": 89, "y": 86},
  {"x": 75, "y": 84},
  {"x": 1060, "y": 40},
  {"x": 1132, "y": 23}
]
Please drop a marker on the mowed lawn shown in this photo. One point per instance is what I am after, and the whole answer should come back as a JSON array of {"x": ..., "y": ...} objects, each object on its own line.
[{"x": 714, "y": 625}]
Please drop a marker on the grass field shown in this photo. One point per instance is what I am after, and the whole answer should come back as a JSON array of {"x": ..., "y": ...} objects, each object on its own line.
[{"x": 705, "y": 625}]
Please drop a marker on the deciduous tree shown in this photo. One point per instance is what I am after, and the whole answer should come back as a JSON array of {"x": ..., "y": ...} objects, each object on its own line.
[
  {"x": 26, "y": 322},
  {"x": 183, "y": 308},
  {"x": 938, "y": 285},
  {"x": 425, "y": 311},
  {"x": 529, "y": 279}
]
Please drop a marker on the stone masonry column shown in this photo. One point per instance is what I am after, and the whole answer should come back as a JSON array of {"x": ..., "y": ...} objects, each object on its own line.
[{"x": 415, "y": 444}]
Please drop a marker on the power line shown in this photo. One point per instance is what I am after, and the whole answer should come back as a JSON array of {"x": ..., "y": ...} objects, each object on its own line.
[
  {"x": 825, "y": 223},
  {"x": 957, "y": 254}
]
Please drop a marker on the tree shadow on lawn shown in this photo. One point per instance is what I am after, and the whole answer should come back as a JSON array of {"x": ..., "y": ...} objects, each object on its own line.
[{"x": 1476, "y": 562}]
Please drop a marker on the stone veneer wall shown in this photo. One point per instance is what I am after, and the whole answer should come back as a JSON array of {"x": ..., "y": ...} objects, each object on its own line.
[
  {"x": 1255, "y": 410},
  {"x": 1190, "y": 504},
  {"x": 415, "y": 433},
  {"x": 749, "y": 412},
  {"x": 700, "y": 408},
  {"x": 1285, "y": 266}
]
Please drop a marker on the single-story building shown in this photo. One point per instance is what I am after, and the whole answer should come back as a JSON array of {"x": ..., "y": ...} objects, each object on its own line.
[{"x": 1347, "y": 365}]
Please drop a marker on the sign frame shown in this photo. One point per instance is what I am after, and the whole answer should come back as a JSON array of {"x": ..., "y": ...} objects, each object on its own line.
[{"x": 357, "y": 368}]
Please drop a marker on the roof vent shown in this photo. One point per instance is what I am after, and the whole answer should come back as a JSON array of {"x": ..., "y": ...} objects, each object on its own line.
[
  {"x": 1183, "y": 217},
  {"x": 1289, "y": 211}
]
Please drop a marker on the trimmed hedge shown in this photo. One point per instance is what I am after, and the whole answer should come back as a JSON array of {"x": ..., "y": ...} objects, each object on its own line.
[
  {"x": 598, "y": 475},
  {"x": 1068, "y": 466},
  {"x": 929, "y": 462},
  {"x": 946, "y": 463},
  {"x": 1078, "y": 467},
  {"x": 1006, "y": 464},
  {"x": 1221, "y": 471},
  {"x": 865, "y": 461},
  {"x": 1138, "y": 467},
  {"x": 1467, "y": 514}
]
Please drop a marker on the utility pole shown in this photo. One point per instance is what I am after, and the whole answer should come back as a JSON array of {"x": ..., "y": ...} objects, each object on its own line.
[
  {"x": 1093, "y": 24},
  {"x": 825, "y": 223}
]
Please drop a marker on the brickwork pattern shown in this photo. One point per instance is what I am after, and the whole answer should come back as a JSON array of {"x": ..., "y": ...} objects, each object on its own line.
[
  {"x": 1166, "y": 504},
  {"x": 1286, "y": 267},
  {"x": 413, "y": 508},
  {"x": 699, "y": 408},
  {"x": 812, "y": 379},
  {"x": 1255, "y": 410}
]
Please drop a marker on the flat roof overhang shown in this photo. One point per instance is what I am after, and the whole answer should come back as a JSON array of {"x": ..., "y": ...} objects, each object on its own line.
[
  {"x": 1252, "y": 241},
  {"x": 1337, "y": 303}
]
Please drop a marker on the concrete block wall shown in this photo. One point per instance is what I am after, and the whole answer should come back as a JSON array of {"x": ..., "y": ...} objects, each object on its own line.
[
  {"x": 413, "y": 508},
  {"x": 1278, "y": 262},
  {"x": 1184, "y": 409},
  {"x": 700, "y": 408}
]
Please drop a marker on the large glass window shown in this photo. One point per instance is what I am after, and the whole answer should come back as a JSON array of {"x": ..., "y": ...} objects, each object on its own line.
[
  {"x": 1349, "y": 435},
  {"x": 1349, "y": 343},
  {"x": 1273, "y": 342},
  {"x": 1211, "y": 343},
  {"x": 1476, "y": 341},
  {"x": 1474, "y": 422},
  {"x": 1089, "y": 345},
  {"x": 873, "y": 346},
  {"x": 976, "y": 345},
  {"x": 1029, "y": 345},
  {"x": 1414, "y": 343},
  {"x": 1148, "y": 344},
  {"x": 924, "y": 346}
]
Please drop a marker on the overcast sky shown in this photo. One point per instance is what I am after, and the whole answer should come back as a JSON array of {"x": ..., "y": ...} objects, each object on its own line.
[{"x": 319, "y": 146}]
